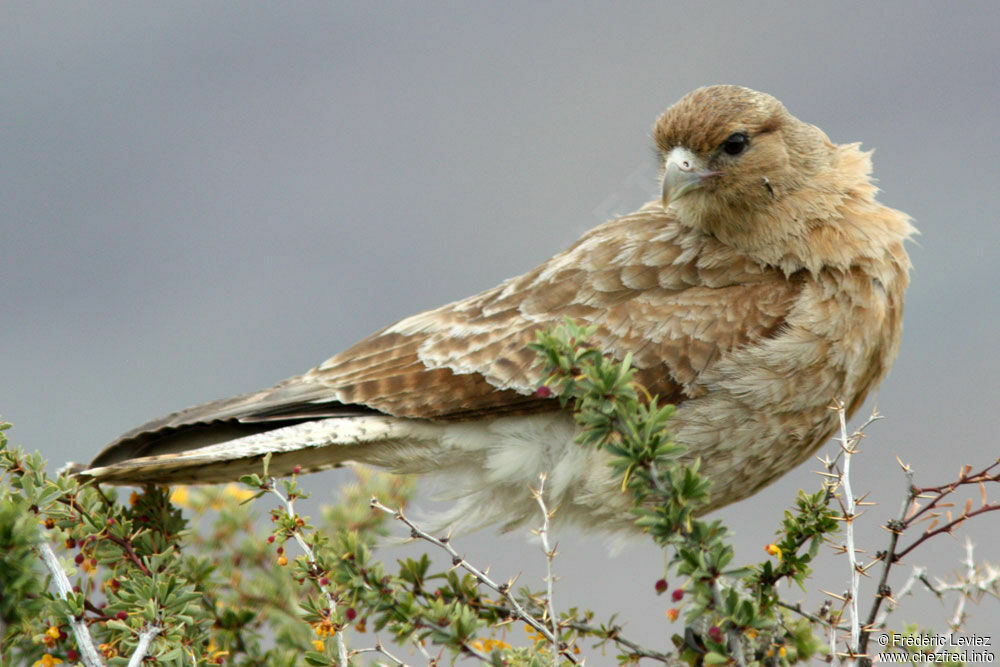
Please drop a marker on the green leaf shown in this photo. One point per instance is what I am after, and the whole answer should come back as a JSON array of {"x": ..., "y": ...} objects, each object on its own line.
[
  {"x": 713, "y": 658},
  {"x": 314, "y": 658}
]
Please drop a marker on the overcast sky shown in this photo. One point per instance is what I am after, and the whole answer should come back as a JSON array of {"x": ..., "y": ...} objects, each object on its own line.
[{"x": 200, "y": 199}]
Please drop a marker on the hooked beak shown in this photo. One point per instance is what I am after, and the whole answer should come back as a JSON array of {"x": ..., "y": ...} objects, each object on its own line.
[{"x": 684, "y": 172}]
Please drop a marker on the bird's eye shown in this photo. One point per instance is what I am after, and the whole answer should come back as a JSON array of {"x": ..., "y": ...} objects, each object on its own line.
[{"x": 736, "y": 143}]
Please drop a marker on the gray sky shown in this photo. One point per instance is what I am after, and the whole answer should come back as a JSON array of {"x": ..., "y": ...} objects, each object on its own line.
[{"x": 200, "y": 199}]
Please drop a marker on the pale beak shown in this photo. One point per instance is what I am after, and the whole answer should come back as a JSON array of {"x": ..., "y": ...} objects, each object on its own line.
[{"x": 684, "y": 172}]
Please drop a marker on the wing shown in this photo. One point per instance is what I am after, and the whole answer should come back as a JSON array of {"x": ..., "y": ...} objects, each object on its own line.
[{"x": 676, "y": 299}]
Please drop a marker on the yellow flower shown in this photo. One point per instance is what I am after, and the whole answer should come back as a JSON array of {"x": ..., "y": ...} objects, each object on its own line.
[
  {"x": 237, "y": 493},
  {"x": 282, "y": 561},
  {"x": 325, "y": 628},
  {"x": 53, "y": 632},
  {"x": 133, "y": 498},
  {"x": 47, "y": 661},
  {"x": 487, "y": 645},
  {"x": 318, "y": 645},
  {"x": 672, "y": 614},
  {"x": 773, "y": 550},
  {"x": 179, "y": 496}
]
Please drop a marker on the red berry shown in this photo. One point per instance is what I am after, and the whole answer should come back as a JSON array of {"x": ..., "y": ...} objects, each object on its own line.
[
  {"x": 121, "y": 616},
  {"x": 296, "y": 470},
  {"x": 715, "y": 633},
  {"x": 79, "y": 559},
  {"x": 351, "y": 614},
  {"x": 270, "y": 540},
  {"x": 70, "y": 543},
  {"x": 543, "y": 392},
  {"x": 677, "y": 595},
  {"x": 72, "y": 655},
  {"x": 324, "y": 582},
  {"x": 661, "y": 586}
]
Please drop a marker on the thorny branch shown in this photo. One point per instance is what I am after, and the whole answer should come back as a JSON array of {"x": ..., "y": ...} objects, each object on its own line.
[
  {"x": 849, "y": 504},
  {"x": 458, "y": 561},
  {"x": 289, "y": 504},
  {"x": 936, "y": 494},
  {"x": 848, "y": 445},
  {"x": 550, "y": 554},
  {"x": 914, "y": 512}
]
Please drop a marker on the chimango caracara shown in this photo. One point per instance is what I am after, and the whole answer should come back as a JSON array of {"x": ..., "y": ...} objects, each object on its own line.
[{"x": 764, "y": 282}]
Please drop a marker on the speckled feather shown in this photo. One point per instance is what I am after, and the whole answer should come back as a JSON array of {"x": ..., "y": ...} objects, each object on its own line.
[{"x": 751, "y": 308}]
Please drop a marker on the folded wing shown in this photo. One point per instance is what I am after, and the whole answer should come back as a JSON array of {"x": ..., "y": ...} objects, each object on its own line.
[{"x": 677, "y": 300}]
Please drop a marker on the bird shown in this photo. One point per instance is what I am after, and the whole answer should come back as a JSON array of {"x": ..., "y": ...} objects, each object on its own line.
[{"x": 763, "y": 282}]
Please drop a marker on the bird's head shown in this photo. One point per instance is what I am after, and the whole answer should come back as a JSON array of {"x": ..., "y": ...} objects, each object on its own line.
[{"x": 728, "y": 154}]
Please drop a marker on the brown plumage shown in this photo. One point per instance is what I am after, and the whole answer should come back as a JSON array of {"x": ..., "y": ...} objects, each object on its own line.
[{"x": 763, "y": 284}]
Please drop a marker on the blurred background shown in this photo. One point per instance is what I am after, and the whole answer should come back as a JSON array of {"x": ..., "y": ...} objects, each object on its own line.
[{"x": 200, "y": 199}]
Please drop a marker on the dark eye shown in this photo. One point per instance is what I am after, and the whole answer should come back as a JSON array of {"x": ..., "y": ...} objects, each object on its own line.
[{"x": 736, "y": 143}]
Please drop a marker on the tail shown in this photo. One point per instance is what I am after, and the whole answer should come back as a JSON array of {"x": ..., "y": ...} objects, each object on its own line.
[{"x": 309, "y": 446}]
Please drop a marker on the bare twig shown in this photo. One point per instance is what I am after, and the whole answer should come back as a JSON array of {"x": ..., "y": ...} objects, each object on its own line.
[
  {"x": 88, "y": 652},
  {"x": 970, "y": 576},
  {"x": 882, "y": 591},
  {"x": 912, "y": 512},
  {"x": 380, "y": 649},
  {"x": 797, "y": 608},
  {"x": 965, "y": 478},
  {"x": 476, "y": 653},
  {"x": 423, "y": 651},
  {"x": 550, "y": 554},
  {"x": 848, "y": 446},
  {"x": 916, "y": 574},
  {"x": 614, "y": 634},
  {"x": 947, "y": 528}
]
